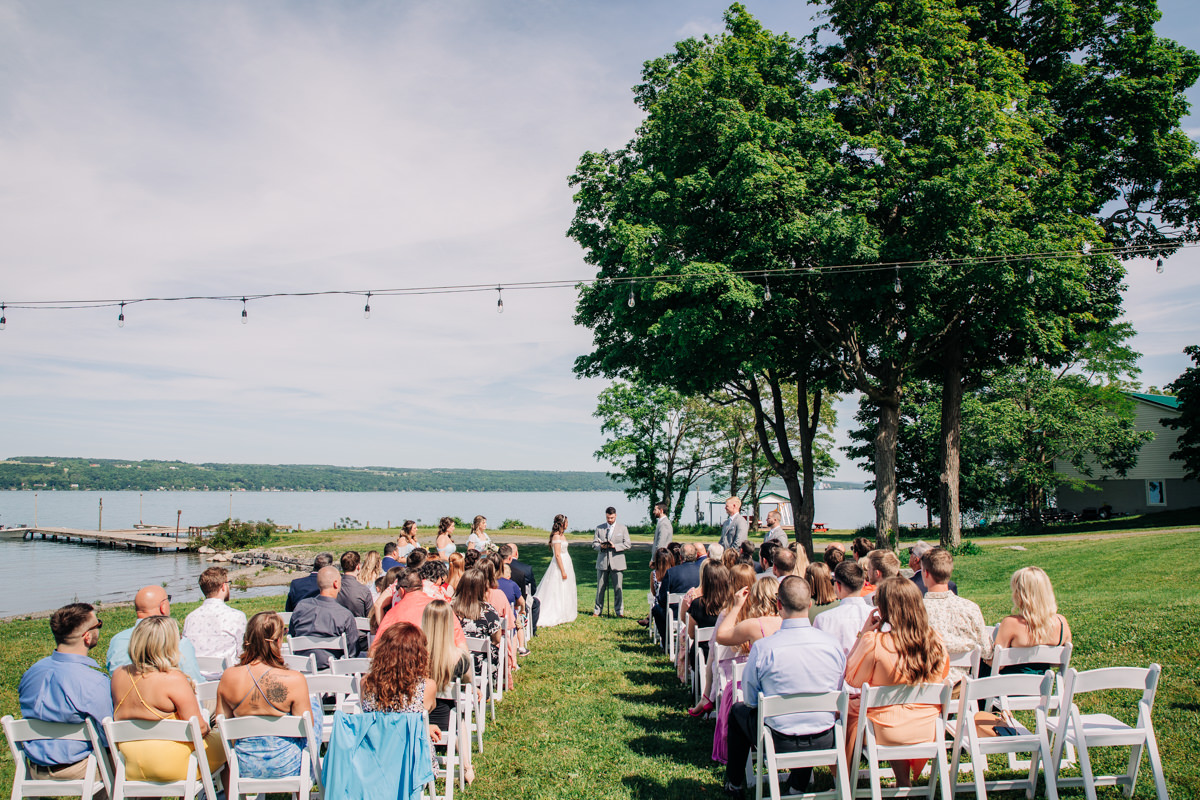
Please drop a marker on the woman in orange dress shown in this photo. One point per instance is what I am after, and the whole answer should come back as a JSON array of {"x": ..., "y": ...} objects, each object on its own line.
[{"x": 910, "y": 652}]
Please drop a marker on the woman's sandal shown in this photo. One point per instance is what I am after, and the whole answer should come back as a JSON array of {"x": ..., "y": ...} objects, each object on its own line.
[{"x": 701, "y": 710}]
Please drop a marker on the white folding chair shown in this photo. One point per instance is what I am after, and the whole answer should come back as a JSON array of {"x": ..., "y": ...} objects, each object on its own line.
[
  {"x": 96, "y": 778},
  {"x": 334, "y": 644},
  {"x": 528, "y": 615},
  {"x": 652, "y": 627},
  {"x": 1087, "y": 731},
  {"x": 866, "y": 743},
  {"x": 500, "y": 670},
  {"x": 483, "y": 683},
  {"x": 703, "y": 636},
  {"x": 286, "y": 616},
  {"x": 199, "y": 778},
  {"x": 768, "y": 763},
  {"x": 1056, "y": 656},
  {"x": 471, "y": 715},
  {"x": 968, "y": 660},
  {"x": 450, "y": 763},
  {"x": 672, "y": 626},
  {"x": 344, "y": 691},
  {"x": 350, "y": 666},
  {"x": 306, "y": 664},
  {"x": 968, "y": 739},
  {"x": 302, "y": 784},
  {"x": 211, "y": 667},
  {"x": 206, "y": 693}
]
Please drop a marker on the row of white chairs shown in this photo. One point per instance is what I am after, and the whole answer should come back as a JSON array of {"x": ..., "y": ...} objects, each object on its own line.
[{"x": 1057, "y": 724}]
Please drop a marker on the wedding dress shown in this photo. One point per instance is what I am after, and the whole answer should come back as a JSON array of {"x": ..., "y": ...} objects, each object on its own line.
[{"x": 558, "y": 596}]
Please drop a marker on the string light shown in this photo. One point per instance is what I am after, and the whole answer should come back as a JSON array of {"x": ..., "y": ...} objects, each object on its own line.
[
  {"x": 1159, "y": 267},
  {"x": 367, "y": 307},
  {"x": 631, "y": 302},
  {"x": 1029, "y": 277},
  {"x": 3, "y": 319},
  {"x": 767, "y": 292},
  {"x": 121, "y": 317},
  {"x": 499, "y": 301},
  {"x": 898, "y": 287},
  {"x": 245, "y": 316}
]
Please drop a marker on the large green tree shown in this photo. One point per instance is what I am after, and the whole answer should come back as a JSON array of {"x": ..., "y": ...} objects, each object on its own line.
[
  {"x": 719, "y": 195},
  {"x": 1187, "y": 388}
]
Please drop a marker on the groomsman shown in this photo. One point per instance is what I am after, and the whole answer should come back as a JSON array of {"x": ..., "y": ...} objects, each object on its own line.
[
  {"x": 663, "y": 532},
  {"x": 610, "y": 543},
  {"x": 736, "y": 529}
]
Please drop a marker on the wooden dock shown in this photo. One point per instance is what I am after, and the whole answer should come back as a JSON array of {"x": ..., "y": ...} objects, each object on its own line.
[{"x": 146, "y": 539}]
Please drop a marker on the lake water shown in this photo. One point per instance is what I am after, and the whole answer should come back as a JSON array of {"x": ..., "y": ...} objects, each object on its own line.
[{"x": 42, "y": 575}]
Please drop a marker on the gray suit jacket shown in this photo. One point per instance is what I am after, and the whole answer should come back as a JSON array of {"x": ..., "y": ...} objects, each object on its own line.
[
  {"x": 778, "y": 534},
  {"x": 662, "y": 535},
  {"x": 734, "y": 531},
  {"x": 613, "y": 559}
]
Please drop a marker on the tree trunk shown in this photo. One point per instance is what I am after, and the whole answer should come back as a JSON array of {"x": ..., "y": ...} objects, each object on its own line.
[
  {"x": 887, "y": 513},
  {"x": 928, "y": 516},
  {"x": 951, "y": 444},
  {"x": 808, "y": 433}
]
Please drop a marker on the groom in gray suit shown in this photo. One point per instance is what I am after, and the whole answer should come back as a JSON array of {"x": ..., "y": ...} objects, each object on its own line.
[
  {"x": 610, "y": 543},
  {"x": 736, "y": 529}
]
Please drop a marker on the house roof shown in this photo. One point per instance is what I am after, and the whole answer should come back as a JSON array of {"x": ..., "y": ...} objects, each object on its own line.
[{"x": 1161, "y": 400}]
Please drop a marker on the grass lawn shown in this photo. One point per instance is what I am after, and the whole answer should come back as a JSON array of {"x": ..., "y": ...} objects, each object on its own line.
[{"x": 597, "y": 711}]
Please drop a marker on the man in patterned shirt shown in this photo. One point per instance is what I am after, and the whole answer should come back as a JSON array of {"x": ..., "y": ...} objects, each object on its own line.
[
  {"x": 957, "y": 619},
  {"x": 215, "y": 629}
]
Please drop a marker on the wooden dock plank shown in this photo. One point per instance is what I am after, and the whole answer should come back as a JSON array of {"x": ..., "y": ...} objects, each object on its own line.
[{"x": 155, "y": 539}]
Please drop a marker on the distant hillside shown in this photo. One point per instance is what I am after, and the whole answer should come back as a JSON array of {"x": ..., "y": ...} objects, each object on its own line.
[{"x": 81, "y": 474}]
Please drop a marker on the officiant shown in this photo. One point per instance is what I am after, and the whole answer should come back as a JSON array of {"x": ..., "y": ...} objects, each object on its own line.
[{"x": 610, "y": 543}]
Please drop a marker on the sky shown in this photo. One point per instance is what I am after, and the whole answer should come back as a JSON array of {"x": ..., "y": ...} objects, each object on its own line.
[{"x": 227, "y": 148}]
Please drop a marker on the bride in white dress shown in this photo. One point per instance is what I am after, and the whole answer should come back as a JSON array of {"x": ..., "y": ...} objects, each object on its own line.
[{"x": 557, "y": 593}]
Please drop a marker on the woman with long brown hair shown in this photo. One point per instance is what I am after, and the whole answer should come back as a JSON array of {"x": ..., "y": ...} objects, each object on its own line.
[
  {"x": 557, "y": 594},
  {"x": 399, "y": 681},
  {"x": 479, "y": 540},
  {"x": 457, "y": 565},
  {"x": 262, "y": 685},
  {"x": 478, "y": 617},
  {"x": 445, "y": 537},
  {"x": 821, "y": 583},
  {"x": 911, "y": 652},
  {"x": 741, "y": 577}
]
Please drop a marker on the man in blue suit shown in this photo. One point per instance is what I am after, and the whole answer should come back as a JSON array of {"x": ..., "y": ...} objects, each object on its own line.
[
  {"x": 677, "y": 581},
  {"x": 306, "y": 587}
]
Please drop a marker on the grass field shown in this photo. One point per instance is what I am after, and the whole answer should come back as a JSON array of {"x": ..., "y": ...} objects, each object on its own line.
[{"x": 597, "y": 712}]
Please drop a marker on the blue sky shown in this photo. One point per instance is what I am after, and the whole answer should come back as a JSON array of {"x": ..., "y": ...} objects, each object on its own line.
[{"x": 157, "y": 149}]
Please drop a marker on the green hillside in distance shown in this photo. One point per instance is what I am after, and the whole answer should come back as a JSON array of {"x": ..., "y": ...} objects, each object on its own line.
[{"x": 83, "y": 474}]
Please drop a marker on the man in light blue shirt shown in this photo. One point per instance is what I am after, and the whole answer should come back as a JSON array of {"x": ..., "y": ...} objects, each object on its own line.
[
  {"x": 66, "y": 686},
  {"x": 798, "y": 659},
  {"x": 152, "y": 601}
]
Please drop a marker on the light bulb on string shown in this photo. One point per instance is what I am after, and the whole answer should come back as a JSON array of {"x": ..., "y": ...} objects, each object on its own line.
[
  {"x": 631, "y": 302},
  {"x": 367, "y": 307},
  {"x": 767, "y": 291},
  {"x": 245, "y": 316},
  {"x": 121, "y": 316},
  {"x": 3, "y": 319},
  {"x": 1029, "y": 277},
  {"x": 499, "y": 300},
  {"x": 898, "y": 287},
  {"x": 1086, "y": 247},
  {"x": 1159, "y": 267}
]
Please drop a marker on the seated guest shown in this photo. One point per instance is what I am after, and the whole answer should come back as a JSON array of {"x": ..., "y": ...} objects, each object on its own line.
[
  {"x": 448, "y": 663},
  {"x": 370, "y": 571},
  {"x": 702, "y": 611},
  {"x": 408, "y": 605},
  {"x": 801, "y": 559},
  {"x": 1035, "y": 620},
  {"x": 416, "y": 558},
  {"x": 916, "y": 556},
  {"x": 730, "y": 557},
  {"x": 821, "y": 583},
  {"x": 715, "y": 551},
  {"x": 766, "y": 558},
  {"x": 214, "y": 629},
  {"x": 477, "y": 617},
  {"x": 151, "y": 601},
  {"x": 151, "y": 687},
  {"x": 397, "y": 681},
  {"x": 860, "y": 547},
  {"x": 455, "y": 567},
  {"x": 306, "y": 587},
  {"x": 799, "y": 658},
  {"x": 391, "y": 557},
  {"x": 384, "y": 594},
  {"x": 66, "y": 686},
  {"x": 956, "y": 619},
  {"x": 835, "y": 553},
  {"x": 747, "y": 553},
  {"x": 324, "y": 616},
  {"x": 845, "y": 620},
  {"x": 662, "y": 561},
  {"x": 353, "y": 595},
  {"x": 884, "y": 564},
  {"x": 435, "y": 579},
  {"x": 910, "y": 653},
  {"x": 261, "y": 685},
  {"x": 784, "y": 563},
  {"x": 721, "y": 659},
  {"x": 678, "y": 580}
]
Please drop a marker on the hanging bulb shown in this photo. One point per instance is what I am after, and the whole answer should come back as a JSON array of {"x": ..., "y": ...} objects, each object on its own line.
[
  {"x": 3, "y": 319},
  {"x": 245, "y": 316},
  {"x": 1159, "y": 267},
  {"x": 631, "y": 302},
  {"x": 121, "y": 317},
  {"x": 1086, "y": 247},
  {"x": 767, "y": 292},
  {"x": 1029, "y": 277},
  {"x": 499, "y": 301},
  {"x": 898, "y": 287},
  {"x": 367, "y": 307}
]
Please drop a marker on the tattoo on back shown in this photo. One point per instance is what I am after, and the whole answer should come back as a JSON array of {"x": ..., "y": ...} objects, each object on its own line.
[{"x": 274, "y": 691}]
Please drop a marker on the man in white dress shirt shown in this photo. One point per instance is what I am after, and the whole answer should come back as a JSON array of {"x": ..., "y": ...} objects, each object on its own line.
[
  {"x": 845, "y": 620},
  {"x": 735, "y": 529},
  {"x": 215, "y": 629}
]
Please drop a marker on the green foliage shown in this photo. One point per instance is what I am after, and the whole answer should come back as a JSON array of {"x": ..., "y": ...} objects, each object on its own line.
[
  {"x": 1187, "y": 388},
  {"x": 966, "y": 548},
  {"x": 346, "y": 524},
  {"x": 511, "y": 524},
  {"x": 26, "y": 472},
  {"x": 238, "y": 535},
  {"x": 867, "y": 531}
]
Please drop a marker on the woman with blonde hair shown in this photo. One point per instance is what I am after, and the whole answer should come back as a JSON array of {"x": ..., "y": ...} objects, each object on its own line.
[
  {"x": 369, "y": 572},
  {"x": 801, "y": 559},
  {"x": 262, "y": 685},
  {"x": 821, "y": 583},
  {"x": 910, "y": 652},
  {"x": 448, "y": 663},
  {"x": 457, "y": 564},
  {"x": 1035, "y": 619},
  {"x": 152, "y": 687}
]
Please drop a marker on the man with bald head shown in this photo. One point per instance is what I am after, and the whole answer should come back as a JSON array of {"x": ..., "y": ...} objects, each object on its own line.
[
  {"x": 324, "y": 616},
  {"x": 152, "y": 601}
]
